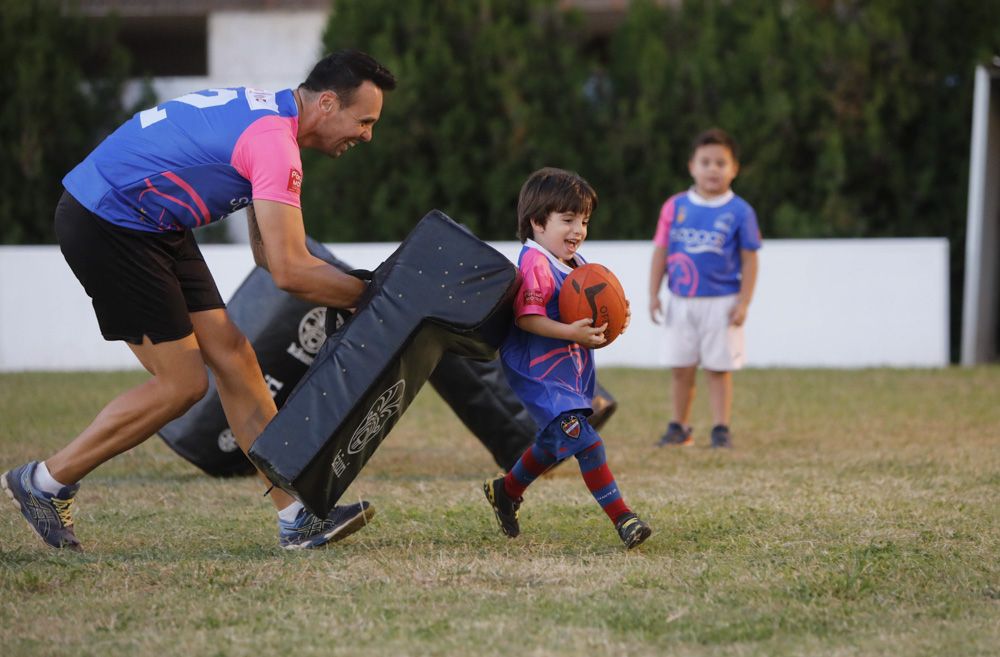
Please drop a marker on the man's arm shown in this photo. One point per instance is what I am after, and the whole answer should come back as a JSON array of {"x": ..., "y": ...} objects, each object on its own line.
[
  {"x": 256, "y": 241},
  {"x": 295, "y": 270}
]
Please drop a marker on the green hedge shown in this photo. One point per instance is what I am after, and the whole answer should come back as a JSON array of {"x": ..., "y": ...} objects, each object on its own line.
[
  {"x": 61, "y": 84},
  {"x": 853, "y": 117}
]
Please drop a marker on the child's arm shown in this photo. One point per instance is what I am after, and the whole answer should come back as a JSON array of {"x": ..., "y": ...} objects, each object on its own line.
[
  {"x": 656, "y": 270},
  {"x": 579, "y": 331},
  {"x": 748, "y": 281}
]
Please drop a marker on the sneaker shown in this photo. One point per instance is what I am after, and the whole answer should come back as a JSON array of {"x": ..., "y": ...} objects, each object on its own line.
[
  {"x": 310, "y": 531},
  {"x": 51, "y": 516},
  {"x": 721, "y": 437},
  {"x": 676, "y": 435},
  {"x": 504, "y": 506},
  {"x": 632, "y": 530}
]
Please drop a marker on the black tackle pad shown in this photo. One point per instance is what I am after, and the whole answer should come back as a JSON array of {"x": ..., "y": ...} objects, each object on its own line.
[
  {"x": 443, "y": 290},
  {"x": 286, "y": 334}
]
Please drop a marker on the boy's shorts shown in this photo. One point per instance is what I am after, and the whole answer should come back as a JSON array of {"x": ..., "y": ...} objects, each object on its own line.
[
  {"x": 699, "y": 333},
  {"x": 141, "y": 284},
  {"x": 567, "y": 435}
]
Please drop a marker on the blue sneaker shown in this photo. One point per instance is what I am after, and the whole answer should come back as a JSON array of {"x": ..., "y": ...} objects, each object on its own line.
[
  {"x": 721, "y": 436},
  {"x": 310, "y": 531},
  {"x": 51, "y": 516}
]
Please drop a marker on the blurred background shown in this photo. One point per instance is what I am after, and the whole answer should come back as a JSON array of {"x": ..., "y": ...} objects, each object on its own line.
[{"x": 854, "y": 117}]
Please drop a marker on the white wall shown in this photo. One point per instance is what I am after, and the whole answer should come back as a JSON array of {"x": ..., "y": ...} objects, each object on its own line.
[
  {"x": 273, "y": 50},
  {"x": 826, "y": 303}
]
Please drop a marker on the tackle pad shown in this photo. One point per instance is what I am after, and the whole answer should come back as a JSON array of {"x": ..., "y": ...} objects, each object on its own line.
[{"x": 442, "y": 291}]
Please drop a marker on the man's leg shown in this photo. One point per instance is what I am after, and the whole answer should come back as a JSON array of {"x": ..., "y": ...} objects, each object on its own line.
[
  {"x": 45, "y": 492},
  {"x": 245, "y": 398},
  {"x": 178, "y": 381},
  {"x": 249, "y": 406}
]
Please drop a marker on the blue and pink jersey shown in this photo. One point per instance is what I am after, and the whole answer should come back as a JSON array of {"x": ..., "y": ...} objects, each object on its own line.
[
  {"x": 550, "y": 376},
  {"x": 703, "y": 239},
  {"x": 193, "y": 160}
]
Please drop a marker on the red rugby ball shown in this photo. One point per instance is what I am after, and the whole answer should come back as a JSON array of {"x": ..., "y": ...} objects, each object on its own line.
[{"x": 591, "y": 290}]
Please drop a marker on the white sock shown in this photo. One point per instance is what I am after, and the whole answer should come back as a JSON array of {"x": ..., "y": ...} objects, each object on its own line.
[
  {"x": 43, "y": 481},
  {"x": 290, "y": 512}
]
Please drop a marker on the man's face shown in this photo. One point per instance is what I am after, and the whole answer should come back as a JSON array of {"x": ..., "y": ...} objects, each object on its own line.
[{"x": 344, "y": 126}]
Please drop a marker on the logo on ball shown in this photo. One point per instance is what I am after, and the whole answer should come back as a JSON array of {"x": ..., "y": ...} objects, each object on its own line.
[{"x": 388, "y": 404}]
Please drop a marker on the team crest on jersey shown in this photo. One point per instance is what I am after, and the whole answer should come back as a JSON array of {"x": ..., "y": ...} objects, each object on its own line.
[
  {"x": 681, "y": 215},
  {"x": 295, "y": 181},
  {"x": 570, "y": 426}
]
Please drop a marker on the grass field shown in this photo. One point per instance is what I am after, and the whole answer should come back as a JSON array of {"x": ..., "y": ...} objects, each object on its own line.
[{"x": 858, "y": 515}]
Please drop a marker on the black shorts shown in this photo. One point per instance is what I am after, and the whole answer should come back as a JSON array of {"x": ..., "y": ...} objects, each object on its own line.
[{"x": 142, "y": 284}]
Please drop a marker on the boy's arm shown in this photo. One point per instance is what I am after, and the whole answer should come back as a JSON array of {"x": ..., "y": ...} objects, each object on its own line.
[
  {"x": 656, "y": 270},
  {"x": 579, "y": 331},
  {"x": 748, "y": 281}
]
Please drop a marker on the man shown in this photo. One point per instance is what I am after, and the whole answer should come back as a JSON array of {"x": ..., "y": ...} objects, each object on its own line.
[{"x": 125, "y": 224}]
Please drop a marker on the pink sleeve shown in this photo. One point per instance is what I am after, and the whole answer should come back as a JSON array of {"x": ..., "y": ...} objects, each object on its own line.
[
  {"x": 536, "y": 287},
  {"x": 268, "y": 156},
  {"x": 662, "y": 236}
]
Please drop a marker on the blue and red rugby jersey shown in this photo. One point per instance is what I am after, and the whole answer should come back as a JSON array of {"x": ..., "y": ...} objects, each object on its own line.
[
  {"x": 193, "y": 160},
  {"x": 703, "y": 238},
  {"x": 549, "y": 375}
]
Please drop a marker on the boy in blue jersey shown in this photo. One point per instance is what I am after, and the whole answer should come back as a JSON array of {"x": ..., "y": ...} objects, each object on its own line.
[
  {"x": 125, "y": 225},
  {"x": 550, "y": 364},
  {"x": 706, "y": 244}
]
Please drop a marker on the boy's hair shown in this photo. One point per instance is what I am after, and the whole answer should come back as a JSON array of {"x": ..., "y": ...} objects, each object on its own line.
[
  {"x": 343, "y": 71},
  {"x": 718, "y": 137},
  {"x": 551, "y": 190}
]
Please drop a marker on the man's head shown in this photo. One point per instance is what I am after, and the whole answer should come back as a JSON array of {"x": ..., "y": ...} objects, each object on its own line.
[
  {"x": 341, "y": 101},
  {"x": 560, "y": 196}
]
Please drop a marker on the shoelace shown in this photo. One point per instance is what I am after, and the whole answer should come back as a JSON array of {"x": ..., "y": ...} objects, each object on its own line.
[{"x": 65, "y": 510}]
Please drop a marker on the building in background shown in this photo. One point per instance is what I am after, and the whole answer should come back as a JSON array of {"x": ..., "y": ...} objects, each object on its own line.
[{"x": 183, "y": 45}]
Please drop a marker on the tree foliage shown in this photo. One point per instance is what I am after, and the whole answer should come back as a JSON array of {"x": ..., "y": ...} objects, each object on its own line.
[
  {"x": 853, "y": 115},
  {"x": 62, "y": 88},
  {"x": 488, "y": 91}
]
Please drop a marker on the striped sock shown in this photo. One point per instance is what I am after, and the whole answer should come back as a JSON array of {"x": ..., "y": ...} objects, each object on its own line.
[
  {"x": 532, "y": 464},
  {"x": 600, "y": 481}
]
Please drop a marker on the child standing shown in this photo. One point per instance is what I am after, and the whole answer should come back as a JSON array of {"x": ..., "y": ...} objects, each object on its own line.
[
  {"x": 706, "y": 244},
  {"x": 550, "y": 364}
]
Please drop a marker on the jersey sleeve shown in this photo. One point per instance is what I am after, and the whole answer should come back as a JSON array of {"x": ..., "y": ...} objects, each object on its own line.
[
  {"x": 662, "y": 236},
  {"x": 268, "y": 156},
  {"x": 748, "y": 234},
  {"x": 537, "y": 285}
]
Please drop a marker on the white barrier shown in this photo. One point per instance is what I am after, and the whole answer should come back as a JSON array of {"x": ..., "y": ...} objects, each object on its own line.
[{"x": 819, "y": 303}]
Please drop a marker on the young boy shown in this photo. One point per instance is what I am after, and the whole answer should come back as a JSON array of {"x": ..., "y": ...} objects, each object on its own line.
[
  {"x": 550, "y": 364},
  {"x": 706, "y": 244}
]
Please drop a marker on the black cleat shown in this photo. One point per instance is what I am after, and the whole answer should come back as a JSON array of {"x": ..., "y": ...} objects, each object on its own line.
[
  {"x": 632, "y": 530},
  {"x": 503, "y": 505}
]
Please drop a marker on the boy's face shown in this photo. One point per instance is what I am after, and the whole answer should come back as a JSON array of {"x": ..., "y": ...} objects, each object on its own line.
[
  {"x": 562, "y": 234},
  {"x": 713, "y": 169}
]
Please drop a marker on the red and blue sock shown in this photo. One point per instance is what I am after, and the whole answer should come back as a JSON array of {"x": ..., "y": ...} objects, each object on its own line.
[
  {"x": 532, "y": 464},
  {"x": 594, "y": 468}
]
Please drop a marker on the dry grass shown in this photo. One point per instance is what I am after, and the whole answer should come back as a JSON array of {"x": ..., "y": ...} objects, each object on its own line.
[{"x": 857, "y": 516}]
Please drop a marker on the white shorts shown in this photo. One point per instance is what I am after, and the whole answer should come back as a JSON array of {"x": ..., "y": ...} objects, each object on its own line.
[{"x": 699, "y": 333}]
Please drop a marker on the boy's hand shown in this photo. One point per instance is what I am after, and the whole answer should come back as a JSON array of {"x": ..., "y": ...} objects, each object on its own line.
[
  {"x": 586, "y": 335},
  {"x": 628, "y": 315},
  {"x": 655, "y": 309},
  {"x": 738, "y": 314}
]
